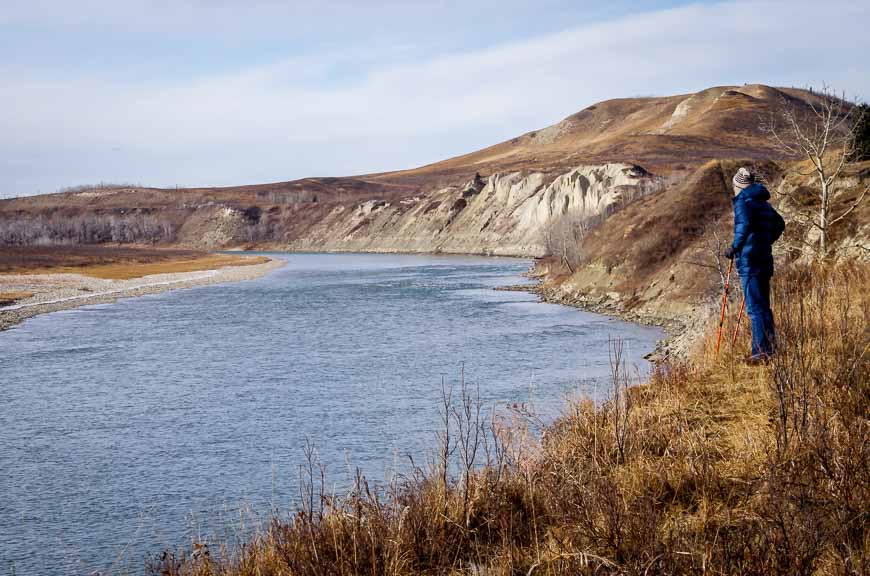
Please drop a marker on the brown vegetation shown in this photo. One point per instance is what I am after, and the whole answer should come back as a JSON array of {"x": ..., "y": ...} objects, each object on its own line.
[
  {"x": 115, "y": 263},
  {"x": 123, "y": 271},
  {"x": 712, "y": 467},
  {"x": 667, "y": 243},
  {"x": 720, "y": 122},
  {"x": 800, "y": 196},
  {"x": 11, "y": 297}
]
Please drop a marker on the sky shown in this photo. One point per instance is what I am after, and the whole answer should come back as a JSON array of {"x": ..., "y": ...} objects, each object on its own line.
[{"x": 227, "y": 92}]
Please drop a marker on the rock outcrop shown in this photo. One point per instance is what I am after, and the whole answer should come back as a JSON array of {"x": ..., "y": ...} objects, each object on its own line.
[{"x": 505, "y": 214}]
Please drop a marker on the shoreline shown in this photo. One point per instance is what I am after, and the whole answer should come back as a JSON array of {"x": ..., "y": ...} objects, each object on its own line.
[
  {"x": 67, "y": 291},
  {"x": 681, "y": 332},
  {"x": 79, "y": 290}
]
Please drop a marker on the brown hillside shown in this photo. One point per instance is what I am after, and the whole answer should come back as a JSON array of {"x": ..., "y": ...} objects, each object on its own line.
[
  {"x": 662, "y": 244},
  {"x": 657, "y": 133},
  {"x": 396, "y": 211}
]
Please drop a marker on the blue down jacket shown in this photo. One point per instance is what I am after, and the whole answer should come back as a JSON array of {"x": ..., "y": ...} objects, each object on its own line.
[{"x": 756, "y": 227}]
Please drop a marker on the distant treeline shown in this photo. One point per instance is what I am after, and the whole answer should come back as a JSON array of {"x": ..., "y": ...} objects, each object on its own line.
[
  {"x": 56, "y": 228},
  {"x": 137, "y": 226},
  {"x": 100, "y": 186}
]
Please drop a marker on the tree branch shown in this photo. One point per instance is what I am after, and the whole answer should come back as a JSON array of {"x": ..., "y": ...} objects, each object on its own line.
[{"x": 852, "y": 207}]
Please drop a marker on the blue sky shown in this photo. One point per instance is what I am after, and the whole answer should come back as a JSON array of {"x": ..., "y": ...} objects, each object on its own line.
[{"x": 222, "y": 92}]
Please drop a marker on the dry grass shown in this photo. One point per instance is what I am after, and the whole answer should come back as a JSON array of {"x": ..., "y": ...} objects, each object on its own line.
[
  {"x": 114, "y": 263},
  {"x": 721, "y": 121},
  {"x": 713, "y": 467},
  {"x": 667, "y": 234},
  {"x": 136, "y": 270},
  {"x": 12, "y": 297}
]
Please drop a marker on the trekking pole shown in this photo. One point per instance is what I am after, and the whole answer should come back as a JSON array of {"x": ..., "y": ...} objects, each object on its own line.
[
  {"x": 724, "y": 302},
  {"x": 739, "y": 318}
]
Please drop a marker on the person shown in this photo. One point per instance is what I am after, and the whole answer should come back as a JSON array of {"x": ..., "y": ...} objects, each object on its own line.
[{"x": 756, "y": 227}]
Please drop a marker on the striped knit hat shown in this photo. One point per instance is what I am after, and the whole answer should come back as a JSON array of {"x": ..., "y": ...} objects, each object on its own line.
[{"x": 743, "y": 178}]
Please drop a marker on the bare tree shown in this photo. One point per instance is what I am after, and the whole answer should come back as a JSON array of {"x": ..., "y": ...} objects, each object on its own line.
[
  {"x": 713, "y": 249},
  {"x": 52, "y": 229},
  {"x": 562, "y": 237},
  {"x": 821, "y": 131},
  {"x": 620, "y": 398}
]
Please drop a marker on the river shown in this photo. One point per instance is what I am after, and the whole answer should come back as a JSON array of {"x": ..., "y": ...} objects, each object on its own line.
[{"x": 132, "y": 426}]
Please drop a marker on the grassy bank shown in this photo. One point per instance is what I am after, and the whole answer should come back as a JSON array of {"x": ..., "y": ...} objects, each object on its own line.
[
  {"x": 114, "y": 262},
  {"x": 712, "y": 467},
  {"x": 13, "y": 296}
]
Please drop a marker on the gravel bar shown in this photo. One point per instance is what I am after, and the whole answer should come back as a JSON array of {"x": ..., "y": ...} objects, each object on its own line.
[{"x": 53, "y": 292}]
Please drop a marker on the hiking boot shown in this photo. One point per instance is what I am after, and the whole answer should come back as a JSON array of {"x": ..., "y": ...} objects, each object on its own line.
[{"x": 760, "y": 359}]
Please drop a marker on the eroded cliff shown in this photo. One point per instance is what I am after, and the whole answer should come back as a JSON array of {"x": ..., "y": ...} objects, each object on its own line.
[{"x": 505, "y": 214}]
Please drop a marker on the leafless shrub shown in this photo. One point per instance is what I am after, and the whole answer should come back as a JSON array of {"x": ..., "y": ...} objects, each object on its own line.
[
  {"x": 99, "y": 186},
  {"x": 60, "y": 229},
  {"x": 821, "y": 132},
  {"x": 817, "y": 473},
  {"x": 619, "y": 398},
  {"x": 714, "y": 251},
  {"x": 563, "y": 236},
  {"x": 765, "y": 473},
  {"x": 564, "y": 233}
]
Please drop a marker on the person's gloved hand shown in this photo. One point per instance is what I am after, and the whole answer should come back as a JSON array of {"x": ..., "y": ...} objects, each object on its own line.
[{"x": 729, "y": 253}]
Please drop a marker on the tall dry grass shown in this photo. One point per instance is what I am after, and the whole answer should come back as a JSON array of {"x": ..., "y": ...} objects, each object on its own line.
[{"x": 712, "y": 467}]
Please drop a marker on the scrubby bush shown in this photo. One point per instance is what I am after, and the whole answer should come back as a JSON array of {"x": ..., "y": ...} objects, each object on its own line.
[
  {"x": 57, "y": 228},
  {"x": 712, "y": 467}
]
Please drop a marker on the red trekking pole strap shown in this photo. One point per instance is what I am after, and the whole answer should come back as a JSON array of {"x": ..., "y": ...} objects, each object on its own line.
[{"x": 724, "y": 303}]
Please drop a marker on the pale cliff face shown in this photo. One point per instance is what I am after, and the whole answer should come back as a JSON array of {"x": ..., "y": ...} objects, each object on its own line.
[{"x": 508, "y": 216}]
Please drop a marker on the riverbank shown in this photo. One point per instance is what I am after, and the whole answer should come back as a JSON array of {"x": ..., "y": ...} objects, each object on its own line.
[
  {"x": 31, "y": 294},
  {"x": 203, "y": 383},
  {"x": 715, "y": 467},
  {"x": 683, "y": 329}
]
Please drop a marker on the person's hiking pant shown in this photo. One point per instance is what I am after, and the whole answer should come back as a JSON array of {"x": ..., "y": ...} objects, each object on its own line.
[{"x": 756, "y": 290}]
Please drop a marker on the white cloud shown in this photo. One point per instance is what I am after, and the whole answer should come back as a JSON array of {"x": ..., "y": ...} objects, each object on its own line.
[{"x": 401, "y": 113}]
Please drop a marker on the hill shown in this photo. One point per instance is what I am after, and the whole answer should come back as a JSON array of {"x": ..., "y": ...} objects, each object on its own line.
[
  {"x": 668, "y": 136},
  {"x": 661, "y": 134},
  {"x": 636, "y": 190}
]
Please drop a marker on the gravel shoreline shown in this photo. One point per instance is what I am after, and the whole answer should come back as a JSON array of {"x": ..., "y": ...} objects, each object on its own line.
[
  {"x": 681, "y": 331},
  {"x": 54, "y": 292}
]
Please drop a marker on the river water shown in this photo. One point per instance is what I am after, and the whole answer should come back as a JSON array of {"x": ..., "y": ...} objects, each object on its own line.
[{"x": 129, "y": 427}]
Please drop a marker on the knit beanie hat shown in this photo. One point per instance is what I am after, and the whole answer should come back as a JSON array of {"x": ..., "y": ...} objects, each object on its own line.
[{"x": 743, "y": 178}]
